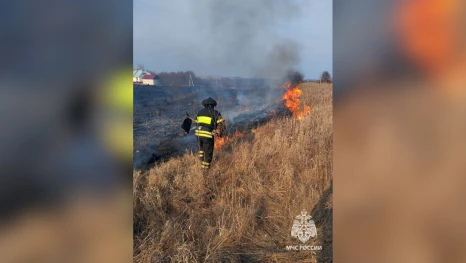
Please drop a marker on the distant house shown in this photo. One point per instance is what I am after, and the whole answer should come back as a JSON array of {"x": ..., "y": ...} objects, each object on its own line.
[
  {"x": 150, "y": 79},
  {"x": 138, "y": 74}
]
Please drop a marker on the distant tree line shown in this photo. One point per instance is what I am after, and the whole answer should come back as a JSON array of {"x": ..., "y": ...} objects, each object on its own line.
[
  {"x": 180, "y": 78},
  {"x": 187, "y": 78},
  {"x": 296, "y": 77}
]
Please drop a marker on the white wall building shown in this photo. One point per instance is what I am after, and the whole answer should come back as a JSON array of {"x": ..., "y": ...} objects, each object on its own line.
[
  {"x": 138, "y": 74},
  {"x": 150, "y": 79}
]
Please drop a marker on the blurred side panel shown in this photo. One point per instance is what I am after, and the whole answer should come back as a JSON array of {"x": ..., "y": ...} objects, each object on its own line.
[
  {"x": 399, "y": 131},
  {"x": 65, "y": 131}
]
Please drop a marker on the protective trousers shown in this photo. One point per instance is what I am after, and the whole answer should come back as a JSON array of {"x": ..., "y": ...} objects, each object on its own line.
[{"x": 206, "y": 151}]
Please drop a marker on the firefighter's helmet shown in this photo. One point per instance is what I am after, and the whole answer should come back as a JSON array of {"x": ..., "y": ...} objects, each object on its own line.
[{"x": 209, "y": 101}]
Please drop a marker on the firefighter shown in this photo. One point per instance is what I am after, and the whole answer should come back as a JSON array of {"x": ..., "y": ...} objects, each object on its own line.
[{"x": 209, "y": 124}]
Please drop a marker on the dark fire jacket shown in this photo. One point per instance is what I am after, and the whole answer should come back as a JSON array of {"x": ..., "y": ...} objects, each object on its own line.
[{"x": 209, "y": 119}]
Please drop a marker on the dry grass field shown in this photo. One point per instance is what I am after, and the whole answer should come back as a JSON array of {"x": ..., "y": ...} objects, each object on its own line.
[{"x": 243, "y": 209}]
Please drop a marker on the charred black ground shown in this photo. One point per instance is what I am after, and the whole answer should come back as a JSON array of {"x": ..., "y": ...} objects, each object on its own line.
[{"x": 159, "y": 112}]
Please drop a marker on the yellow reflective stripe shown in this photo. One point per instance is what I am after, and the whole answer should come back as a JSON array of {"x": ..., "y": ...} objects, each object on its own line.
[
  {"x": 205, "y": 163},
  {"x": 203, "y": 132},
  {"x": 220, "y": 120},
  {"x": 204, "y": 119},
  {"x": 204, "y": 135},
  {"x": 200, "y": 151}
]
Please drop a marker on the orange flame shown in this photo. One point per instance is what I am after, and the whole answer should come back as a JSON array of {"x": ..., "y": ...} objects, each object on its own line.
[
  {"x": 222, "y": 141},
  {"x": 428, "y": 33},
  {"x": 431, "y": 35},
  {"x": 292, "y": 101}
]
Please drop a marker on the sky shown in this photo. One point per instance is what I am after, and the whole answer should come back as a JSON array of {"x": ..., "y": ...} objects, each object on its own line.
[{"x": 235, "y": 38}]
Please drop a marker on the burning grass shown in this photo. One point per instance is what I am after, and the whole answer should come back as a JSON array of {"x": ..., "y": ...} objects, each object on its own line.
[
  {"x": 222, "y": 141},
  {"x": 242, "y": 210},
  {"x": 293, "y": 101}
]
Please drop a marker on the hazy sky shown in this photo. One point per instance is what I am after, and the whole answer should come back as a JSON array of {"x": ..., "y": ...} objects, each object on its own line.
[{"x": 248, "y": 38}]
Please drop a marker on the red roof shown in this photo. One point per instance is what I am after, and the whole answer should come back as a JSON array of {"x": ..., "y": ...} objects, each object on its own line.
[{"x": 149, "y": 76}]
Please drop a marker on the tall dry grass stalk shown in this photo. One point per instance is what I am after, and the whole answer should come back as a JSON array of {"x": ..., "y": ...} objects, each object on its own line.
[{"x": 243, "y": 209}]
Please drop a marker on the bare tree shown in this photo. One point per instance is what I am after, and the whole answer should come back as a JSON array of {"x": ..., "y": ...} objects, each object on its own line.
[{"x": 325, "y": 77}]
